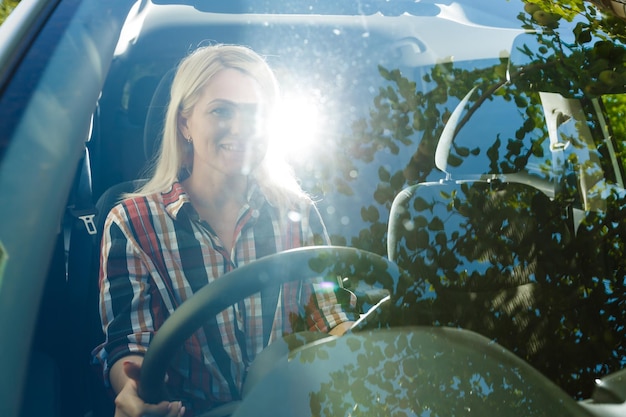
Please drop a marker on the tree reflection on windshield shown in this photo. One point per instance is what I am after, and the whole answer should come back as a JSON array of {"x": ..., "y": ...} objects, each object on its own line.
[
  {"x": 407, "y": 372},
  {"x": 504, "y": 260},
  {"x": 529, "y": 248},
  {"x": 403, "y": 374}
]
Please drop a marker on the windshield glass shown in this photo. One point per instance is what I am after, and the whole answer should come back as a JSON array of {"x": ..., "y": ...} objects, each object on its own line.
[{"x": 478, "y": 147}]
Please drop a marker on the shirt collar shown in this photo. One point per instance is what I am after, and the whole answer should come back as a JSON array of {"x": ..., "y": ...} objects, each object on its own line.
[{"x": 176, "y": 199}]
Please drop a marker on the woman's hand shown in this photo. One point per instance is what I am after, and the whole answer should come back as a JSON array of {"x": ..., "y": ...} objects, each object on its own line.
[{"x": 129, "y": 404}]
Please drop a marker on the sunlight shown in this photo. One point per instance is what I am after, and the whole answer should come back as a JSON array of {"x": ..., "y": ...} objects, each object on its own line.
[
  {"x": 131, "y": 29},
  {"x": 294, "y": 126}
]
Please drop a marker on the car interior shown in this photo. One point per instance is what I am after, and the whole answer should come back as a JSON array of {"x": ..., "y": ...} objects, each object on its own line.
[{"x": 520, "y": 242}]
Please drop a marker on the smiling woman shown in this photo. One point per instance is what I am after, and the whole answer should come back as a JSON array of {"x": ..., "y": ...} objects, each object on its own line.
[{"x": 223, "y": 208}]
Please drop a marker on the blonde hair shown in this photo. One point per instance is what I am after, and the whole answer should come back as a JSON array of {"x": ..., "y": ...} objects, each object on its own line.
[{"x": 273, "y": 175}]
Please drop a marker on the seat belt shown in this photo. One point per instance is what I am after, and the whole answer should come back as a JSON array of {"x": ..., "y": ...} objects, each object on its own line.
[
  {"x": 80, "y": 234},
  {"x": 83, "y": 209}
]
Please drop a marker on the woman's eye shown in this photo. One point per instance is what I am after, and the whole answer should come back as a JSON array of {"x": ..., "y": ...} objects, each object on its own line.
[{"x": 223, "y": 112}]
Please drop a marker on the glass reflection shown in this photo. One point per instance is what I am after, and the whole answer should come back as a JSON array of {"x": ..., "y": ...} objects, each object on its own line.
[
  {"x": 505, "y": 260},
  {"x": 525, "y": 245},
  {"x": 406, "y": 372}
]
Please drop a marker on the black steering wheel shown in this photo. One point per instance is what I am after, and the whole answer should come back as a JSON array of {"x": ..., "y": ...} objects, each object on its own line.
[{"x": 296, "y": 264}]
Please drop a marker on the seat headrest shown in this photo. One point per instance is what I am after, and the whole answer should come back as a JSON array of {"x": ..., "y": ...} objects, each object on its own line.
[
  {"x": 139, "y": 99},
  {"x": 155, "y": 118}
]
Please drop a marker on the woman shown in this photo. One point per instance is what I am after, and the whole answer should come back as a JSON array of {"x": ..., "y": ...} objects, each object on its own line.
[{"x": 218, "y": 199}]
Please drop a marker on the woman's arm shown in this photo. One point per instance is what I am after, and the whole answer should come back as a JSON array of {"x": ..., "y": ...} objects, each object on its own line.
[
  {"x": 341, "y": 328},
  {"x": 117, "y": 376},
  {"x": 329, "y": 308},
  {"x": 124, "y": 377},
  {"x": 127, "y": 319}
]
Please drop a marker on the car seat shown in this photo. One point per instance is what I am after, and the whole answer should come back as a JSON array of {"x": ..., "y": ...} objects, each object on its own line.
[
  {"x": 85, "y": 333},
  {"x": 83, "y": 268},
  {"x": 505, "y": 260}
]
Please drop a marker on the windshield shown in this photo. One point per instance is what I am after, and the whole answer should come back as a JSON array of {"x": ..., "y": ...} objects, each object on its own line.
[
  {"x": 479, "y": 148},
  {"x": 476, "y": 146},
  {"x": 462, "y": 163}
]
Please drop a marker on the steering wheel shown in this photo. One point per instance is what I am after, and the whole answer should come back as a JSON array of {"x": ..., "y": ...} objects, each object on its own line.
[{"x": 276, "y": 269}]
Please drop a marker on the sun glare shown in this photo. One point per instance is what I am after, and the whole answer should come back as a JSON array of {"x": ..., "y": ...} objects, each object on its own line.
[{"x": 294, "y": 126}]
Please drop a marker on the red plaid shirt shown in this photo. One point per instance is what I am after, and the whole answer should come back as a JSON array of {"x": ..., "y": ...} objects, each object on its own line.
[{"x": 156, "y": 253}]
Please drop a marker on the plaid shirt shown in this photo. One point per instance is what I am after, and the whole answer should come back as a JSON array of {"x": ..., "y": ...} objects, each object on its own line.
[{"x": 156, "y": 253}]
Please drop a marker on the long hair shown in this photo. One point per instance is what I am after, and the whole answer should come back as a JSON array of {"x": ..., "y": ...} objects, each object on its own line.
[{"x": 273, "y": 175}]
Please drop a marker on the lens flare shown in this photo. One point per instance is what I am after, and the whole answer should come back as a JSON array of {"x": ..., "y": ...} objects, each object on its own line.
[{"x": 294, "y": 127}]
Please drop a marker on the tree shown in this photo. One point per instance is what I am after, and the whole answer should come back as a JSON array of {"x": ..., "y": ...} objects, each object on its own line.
[
  {"x": 506, "y": 260},
  {"x": 6, "y": 7}
]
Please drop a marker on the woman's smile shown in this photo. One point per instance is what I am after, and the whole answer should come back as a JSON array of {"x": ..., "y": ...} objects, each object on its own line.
[{"x": 234, "y": 147}]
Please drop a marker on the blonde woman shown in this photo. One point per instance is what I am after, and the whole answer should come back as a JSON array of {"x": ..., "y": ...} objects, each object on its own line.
[{"x": 218, "y": 199}]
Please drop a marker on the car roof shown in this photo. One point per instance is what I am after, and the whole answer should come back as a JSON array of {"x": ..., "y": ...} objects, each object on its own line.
[{"x": 436, "y": 36}]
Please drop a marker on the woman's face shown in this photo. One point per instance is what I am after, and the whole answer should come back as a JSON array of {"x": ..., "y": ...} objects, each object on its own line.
[{"x": 227, "y": 125}]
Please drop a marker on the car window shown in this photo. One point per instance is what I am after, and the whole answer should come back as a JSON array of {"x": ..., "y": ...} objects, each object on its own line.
[
  {"x": 378, "y": 103},
  {"x": 477, "y": 145}
]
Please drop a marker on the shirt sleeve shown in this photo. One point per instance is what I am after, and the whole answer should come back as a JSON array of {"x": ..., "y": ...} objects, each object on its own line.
[
  {"x": 327, "y": 304},
  {"x": 125, "y": 294}
]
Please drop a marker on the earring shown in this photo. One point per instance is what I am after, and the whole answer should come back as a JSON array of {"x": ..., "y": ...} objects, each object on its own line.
[{"x": 189, "y": 140}]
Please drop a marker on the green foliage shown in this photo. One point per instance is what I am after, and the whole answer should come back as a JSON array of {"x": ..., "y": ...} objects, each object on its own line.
[
  {"x": 585, "y": 61},
  {"x": 572, "y": 48},
  {"x": 6, "y": 7},
  {"x": 503, "y": 259},
  {"x": 477, "y": 240},
  {"x": 615, "y": 106}
]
